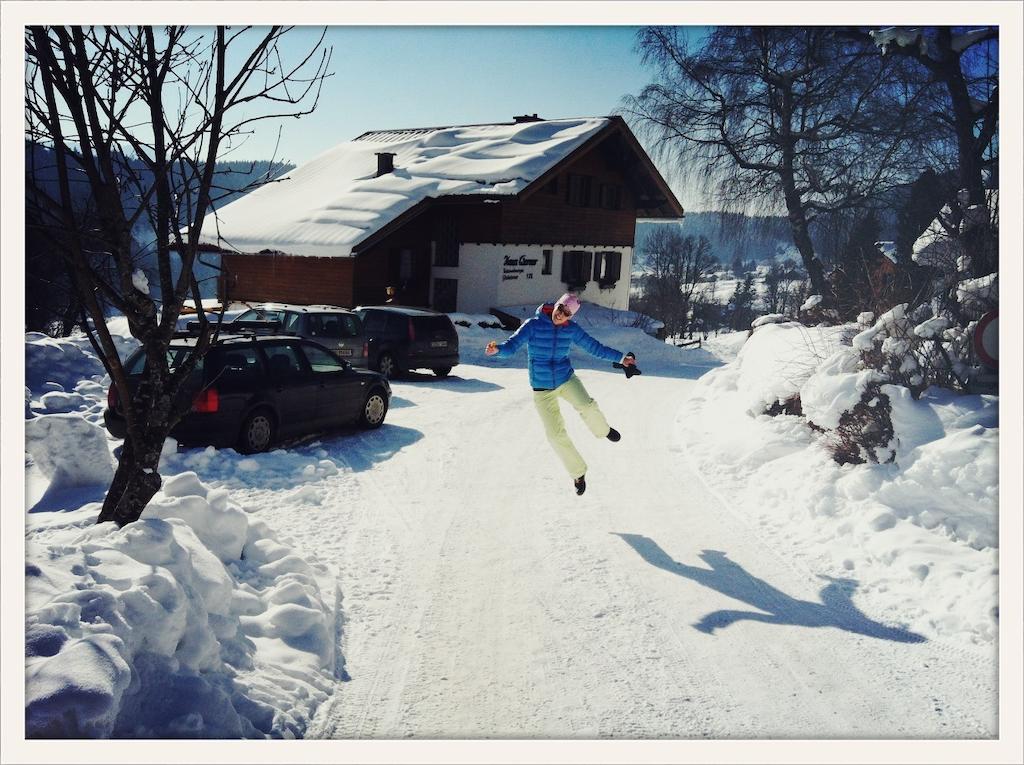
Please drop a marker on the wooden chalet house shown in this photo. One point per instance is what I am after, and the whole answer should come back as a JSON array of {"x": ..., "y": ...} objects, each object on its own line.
[{"x": 463, "y": 218}]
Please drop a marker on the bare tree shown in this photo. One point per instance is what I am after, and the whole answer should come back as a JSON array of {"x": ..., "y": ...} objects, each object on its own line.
[
  {"x": 796, "y": 119},
  {"x": 137, "y": 117},
  {"x": 675, "y": 267},
  {"x": 963, "y": 63}
]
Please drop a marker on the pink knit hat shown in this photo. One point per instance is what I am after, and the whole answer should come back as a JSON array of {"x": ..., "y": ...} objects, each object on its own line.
[{"x": 569, "y": 302}]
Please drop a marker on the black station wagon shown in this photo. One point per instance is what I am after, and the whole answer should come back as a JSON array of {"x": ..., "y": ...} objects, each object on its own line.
[{"x": 250, "y": 392}]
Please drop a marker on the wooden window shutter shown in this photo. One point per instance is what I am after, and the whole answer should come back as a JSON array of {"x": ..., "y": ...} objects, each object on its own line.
[{"x": 613, "y": 267}]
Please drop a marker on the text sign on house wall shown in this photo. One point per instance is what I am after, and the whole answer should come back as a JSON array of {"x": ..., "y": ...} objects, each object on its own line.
[{"x": 513, "y": 267}]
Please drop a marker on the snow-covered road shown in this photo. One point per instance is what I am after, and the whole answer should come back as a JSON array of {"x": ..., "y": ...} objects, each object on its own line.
[{"x": 483, "y": 599}]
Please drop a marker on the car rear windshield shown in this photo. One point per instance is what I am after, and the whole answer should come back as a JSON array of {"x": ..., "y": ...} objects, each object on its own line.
[
  {"x": 289, "y": 320},
  {"x": 176, "y": 356},
  {"x": 334, "y": 325},
  {"x": 257, "y": 314},
  {"x": 432, "y": 324}
]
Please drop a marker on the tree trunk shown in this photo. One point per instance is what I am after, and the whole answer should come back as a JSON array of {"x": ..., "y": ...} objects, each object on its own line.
[
  {"x": 137, "y": 477},
  {"x": 136, "y": 480},
  {"x": 802, "y": 238}
]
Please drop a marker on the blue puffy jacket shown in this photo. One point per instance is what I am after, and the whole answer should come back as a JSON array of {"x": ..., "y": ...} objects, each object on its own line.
[{"x": 548, "y": 348}]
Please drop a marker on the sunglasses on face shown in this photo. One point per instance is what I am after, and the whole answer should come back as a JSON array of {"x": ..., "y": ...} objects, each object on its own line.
[{"x": 560, "y": 309}]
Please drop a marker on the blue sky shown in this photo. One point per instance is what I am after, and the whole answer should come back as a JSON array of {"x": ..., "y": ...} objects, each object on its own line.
[{"x": 394, "y": 77}]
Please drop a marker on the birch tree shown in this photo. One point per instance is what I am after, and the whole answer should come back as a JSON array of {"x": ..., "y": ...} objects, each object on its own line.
[
  {"x": 798, "y": 120},
  {"x": 137, "y": 118}
]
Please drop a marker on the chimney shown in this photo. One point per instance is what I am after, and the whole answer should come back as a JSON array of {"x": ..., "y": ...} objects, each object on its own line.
[
  {"x": 527, "y": 118},
  {"x": 385, "y": 162}
]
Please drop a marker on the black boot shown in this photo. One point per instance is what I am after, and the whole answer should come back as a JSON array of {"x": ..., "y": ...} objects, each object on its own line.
[
  {"x": 580, "y": 484},
  {"x": 613, "y": 435}
]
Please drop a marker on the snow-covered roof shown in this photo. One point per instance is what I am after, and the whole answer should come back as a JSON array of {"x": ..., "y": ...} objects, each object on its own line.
[
  {"x": 888, "y": 249},
  {"x": 936, "y": 246},
  {"x": 330, "y": 204}
]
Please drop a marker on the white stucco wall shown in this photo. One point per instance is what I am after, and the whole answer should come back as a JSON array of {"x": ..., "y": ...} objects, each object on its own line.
[{"x": 491, "y": 275}]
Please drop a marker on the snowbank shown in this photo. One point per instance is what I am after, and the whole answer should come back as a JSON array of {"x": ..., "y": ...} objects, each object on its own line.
[
  {"x": 194, "y": 621},
  {"x": 922, "y": 530},
  {"x": 69, "y": 450}
]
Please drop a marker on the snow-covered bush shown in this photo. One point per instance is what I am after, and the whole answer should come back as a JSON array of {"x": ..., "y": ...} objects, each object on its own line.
[
  {"x": 921, "y": 347},
  {"x": 843, "y": 401},
  {"x": 814, "y": 312},
  {"x": 865, "y": 431},
  {"x": 923, "y": 528}
]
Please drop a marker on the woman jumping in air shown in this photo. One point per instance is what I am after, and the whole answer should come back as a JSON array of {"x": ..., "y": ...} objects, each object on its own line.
[{"x": 548, "y": 336}]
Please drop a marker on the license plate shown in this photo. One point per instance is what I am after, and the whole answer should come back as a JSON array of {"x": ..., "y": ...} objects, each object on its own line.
[
  {"x": 439, "y": 344},
  {"x": 345, "y": 352}
]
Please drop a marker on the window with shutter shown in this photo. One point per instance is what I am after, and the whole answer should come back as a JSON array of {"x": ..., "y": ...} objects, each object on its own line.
[
  {"x": 612, "y": 269},
  {"x": 576, "y": 268}
]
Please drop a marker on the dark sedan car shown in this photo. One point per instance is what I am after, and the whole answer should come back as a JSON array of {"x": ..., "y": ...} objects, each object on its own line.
[{"x": 250, "y": 392}]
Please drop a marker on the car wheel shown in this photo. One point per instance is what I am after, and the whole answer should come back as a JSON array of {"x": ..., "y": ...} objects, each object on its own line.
[
  {"x": 387, "y": 365},
  {"x": 442, "y": 371},
  {"x": 257, "y": 432},
  {"x": 374, "y": 409}
]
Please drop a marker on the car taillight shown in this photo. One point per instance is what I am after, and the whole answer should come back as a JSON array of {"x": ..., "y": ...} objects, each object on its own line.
[
  {"x": 366, "y": 350},
  {"x": 207, "y": 402},
  {"x": 113, "y": 400},
  {"x": 412, "y": 331}
]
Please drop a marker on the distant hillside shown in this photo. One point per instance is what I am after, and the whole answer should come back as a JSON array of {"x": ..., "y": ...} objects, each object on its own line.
[
  {"x": 762, "y": 239},
  {"x": 232, "y": 177}
]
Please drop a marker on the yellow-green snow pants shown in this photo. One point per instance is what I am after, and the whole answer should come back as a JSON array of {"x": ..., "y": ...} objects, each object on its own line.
[{"x": 547, "y": 404}]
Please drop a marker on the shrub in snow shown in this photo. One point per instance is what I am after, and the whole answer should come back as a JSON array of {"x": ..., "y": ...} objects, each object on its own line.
[
  {"x": 813, "y": 312},
  {"x": 190, "y": 622},
  {"x": 792, "y": 406},
  {"x": 70, "y": 450},
  {"x": 918, "y": 349},
  {"x": 865, "y": 431},
  {"x": 920, "y": 533},
  {"x": 843, "y": 401}
]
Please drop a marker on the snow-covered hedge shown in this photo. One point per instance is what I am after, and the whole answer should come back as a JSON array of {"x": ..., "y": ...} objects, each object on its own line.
[
  {"x": 923, "y": 527},
  {"x": 193, "y": 621}
]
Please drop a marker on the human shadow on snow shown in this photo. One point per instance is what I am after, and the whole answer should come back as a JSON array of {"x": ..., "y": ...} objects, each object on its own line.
[{"x": 836, "y": 609}]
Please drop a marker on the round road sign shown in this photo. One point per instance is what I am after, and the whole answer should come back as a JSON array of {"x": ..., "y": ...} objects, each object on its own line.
[{"x": 986, "y": 339}]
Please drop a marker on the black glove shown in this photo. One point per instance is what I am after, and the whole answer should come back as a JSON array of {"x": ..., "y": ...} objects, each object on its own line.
[{"x": 630, "y": 370}]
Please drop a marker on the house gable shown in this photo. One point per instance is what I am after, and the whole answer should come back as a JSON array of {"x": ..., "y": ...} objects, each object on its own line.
[{"x": 544, "y": 210}]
